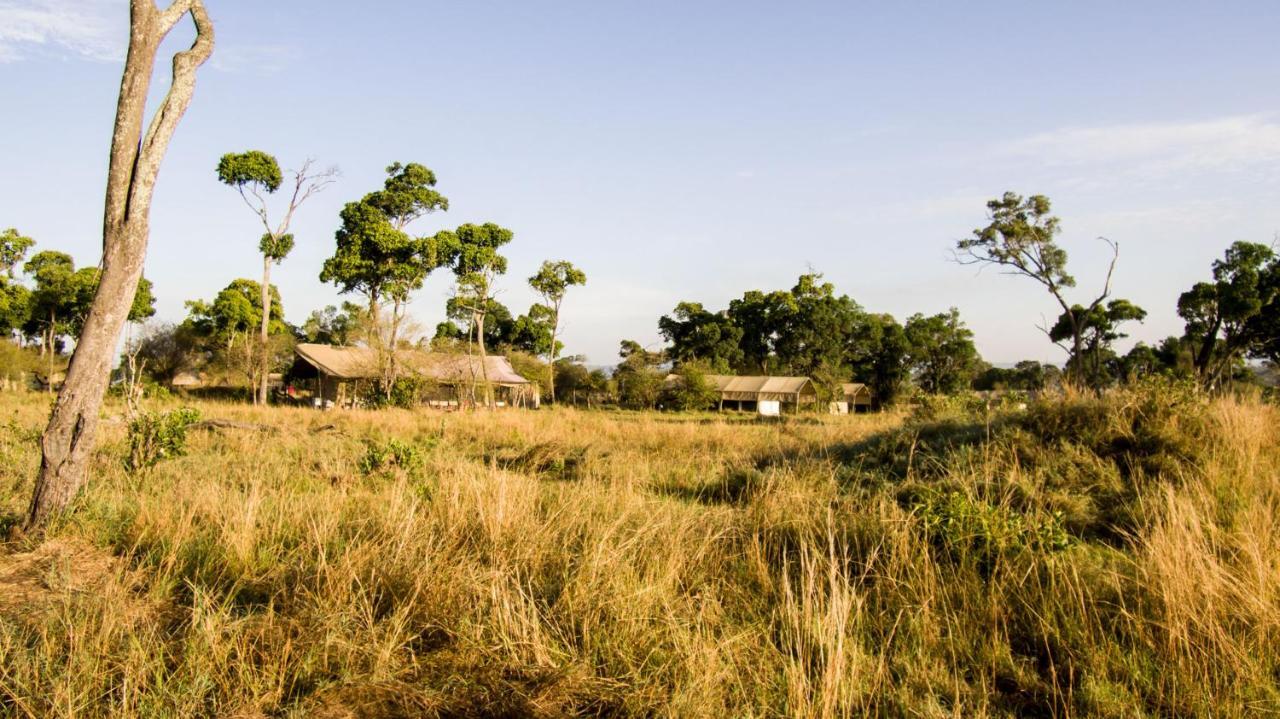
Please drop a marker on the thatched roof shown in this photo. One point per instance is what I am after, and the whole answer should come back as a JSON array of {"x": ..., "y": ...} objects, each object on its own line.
[{"x": 351, "y": 363}]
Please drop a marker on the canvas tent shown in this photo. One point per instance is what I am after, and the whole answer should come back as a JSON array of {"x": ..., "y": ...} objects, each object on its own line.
[
  {"x": 763, "y": 394},
  {"x": 854, "y": 397},
  {"x": 332, "y": 375}
]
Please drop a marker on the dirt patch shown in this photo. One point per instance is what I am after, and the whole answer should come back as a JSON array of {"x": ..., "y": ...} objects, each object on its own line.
[{"x": 32, "y": 582}]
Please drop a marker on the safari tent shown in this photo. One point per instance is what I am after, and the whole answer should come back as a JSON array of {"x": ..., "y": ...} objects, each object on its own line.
[
  {"x": 763, "y": 394},
  {"x": 334, "y": 376}
]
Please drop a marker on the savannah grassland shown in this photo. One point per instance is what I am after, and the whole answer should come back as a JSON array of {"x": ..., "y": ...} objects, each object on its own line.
[{"x": 1115, "y": 557}]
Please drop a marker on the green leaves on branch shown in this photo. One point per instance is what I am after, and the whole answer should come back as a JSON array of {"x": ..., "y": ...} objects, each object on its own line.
[
  {"x": 276, "y": 248},
  {"x": 250, "y": 169}
]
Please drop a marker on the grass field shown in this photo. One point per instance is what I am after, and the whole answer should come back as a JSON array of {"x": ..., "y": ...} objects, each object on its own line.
[{"x": 1114, "y": 557}]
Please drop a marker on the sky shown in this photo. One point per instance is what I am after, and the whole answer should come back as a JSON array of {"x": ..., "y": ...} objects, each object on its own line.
[{"x": 685, "y": 150}]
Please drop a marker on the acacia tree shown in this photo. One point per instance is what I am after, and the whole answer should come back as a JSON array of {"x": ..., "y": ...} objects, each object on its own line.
[
  {"x": 1020, "y": 240},
  {"x": 476, "y": 265},
  {"x": 377, "y": 258},
  {"x": 131, "y": 177},
  {"x": 551, "y": 282},
  {"x": 253, "y": 173}
]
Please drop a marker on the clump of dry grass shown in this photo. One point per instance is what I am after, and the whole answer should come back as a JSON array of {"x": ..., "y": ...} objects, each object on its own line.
[{"x": 564, "y": 562}]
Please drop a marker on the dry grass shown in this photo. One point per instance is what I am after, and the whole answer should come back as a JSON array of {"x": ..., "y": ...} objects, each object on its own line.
[{"x": 1088, "y": 558}]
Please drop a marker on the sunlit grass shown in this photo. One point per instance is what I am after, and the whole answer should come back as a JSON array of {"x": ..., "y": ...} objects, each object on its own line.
[{"x": 1086, "y": 558}]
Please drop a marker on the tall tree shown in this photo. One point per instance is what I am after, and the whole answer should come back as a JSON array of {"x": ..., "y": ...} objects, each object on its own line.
[
  {"x": 1233, "y": 315},
  {"x": 697, "y": 334},
  {"x": 131, "y": 177},
  {"x": 476, "y": 265},
  {"x": 252, "y": 174},
  {"x": 551, "y": 282},
  {"x": 377, "y": 258},
  {"x": 761, "y": 317},
  {"x": 1021, "y": 239},
  {"x": 941, "y": 352}
]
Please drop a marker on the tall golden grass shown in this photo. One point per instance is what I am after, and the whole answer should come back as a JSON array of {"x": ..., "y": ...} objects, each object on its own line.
[{"x": 1115, "y": 557}]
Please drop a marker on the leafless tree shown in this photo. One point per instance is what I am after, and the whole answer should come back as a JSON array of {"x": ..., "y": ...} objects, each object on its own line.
[{"x": 131, "y": 177}]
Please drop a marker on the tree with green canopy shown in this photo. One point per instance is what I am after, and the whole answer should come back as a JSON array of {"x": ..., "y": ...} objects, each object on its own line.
[
  {"x": 940, "y": 351},
  {"x": 1235, "y": 314},
  {"x": 376, "y": 257},
  {"x": 333, "y": 325},
  {"x": 1099, "y": 329},
  {"x": 15, "y": 299},
  {"x": 696, "y": 334},
  {"x": 254, "y": 174},
  {"x": 551, "y": 282},
  {"x": 476, "y": 266},
  {"x": 1020, "y": 239},
  {"x": 638, "y": 377},
  {"x": 761, "y": 316},
  {"x": 13, "y": 249},
  {"x": 876, "y": 351},
  {"x": 229, "y": 323}
]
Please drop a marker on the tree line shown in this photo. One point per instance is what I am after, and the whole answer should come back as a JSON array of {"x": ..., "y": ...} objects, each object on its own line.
[{"x": 811, "y": 330}]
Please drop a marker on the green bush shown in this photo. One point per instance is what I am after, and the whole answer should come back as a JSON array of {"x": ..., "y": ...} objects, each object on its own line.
[
  {"x": 383, "y": 456},
  {"x": 963, "y": 527},
  {"x": 156, "y": 436}
]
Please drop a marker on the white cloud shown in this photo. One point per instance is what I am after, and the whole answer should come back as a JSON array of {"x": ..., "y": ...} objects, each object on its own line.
[
  {"x": 1222, "y": 144},
  {"x": 95, "y": 29}
]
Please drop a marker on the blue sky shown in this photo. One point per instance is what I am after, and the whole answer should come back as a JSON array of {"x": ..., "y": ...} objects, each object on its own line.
[{"x": 687, "y": 150}]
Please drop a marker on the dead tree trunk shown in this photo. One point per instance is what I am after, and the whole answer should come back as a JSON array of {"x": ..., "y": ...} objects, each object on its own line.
[{"x": 131, "y": 176}]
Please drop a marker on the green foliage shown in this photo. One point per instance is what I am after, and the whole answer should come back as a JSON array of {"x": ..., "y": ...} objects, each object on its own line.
[
  {"x": 62, "y": 297},
  {"x": 13, "y": 248},
  {"x": 374, "y": 255},
  {"x": 1099, "y": 328},
  {"x": 392, "y": 454},
  {"x": 553, "y": 279},
  {"x": 809, "y": 330},
  {"x": 407, "y": 194},
  {"x": 941, "y": 351},
  {"x": 334, "y": 326},
  {"x": 158, "y": 436},
  {"x": 690, "y": 389},
  {"x": 252, "y": 168},
  {"x": 1026, "y": 376},
  {"x": 964, "y": 528},
  {"x": 1021, "y": 237},
  {"x": 638, "y": 379},
  {"x": 275, "y": 248},
  {"x": 1235, "y": 314},
  {"x": 698, "y": 335},
  {"x": 235, "y": 311}
]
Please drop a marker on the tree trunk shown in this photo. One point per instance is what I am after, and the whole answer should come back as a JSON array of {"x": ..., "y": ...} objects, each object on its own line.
[
  {"x": 551, "y": 371},
  {"x": 265, "y": 367},
  {"x": 484, "y": 364},
  {"x": 68, "y": 439}
]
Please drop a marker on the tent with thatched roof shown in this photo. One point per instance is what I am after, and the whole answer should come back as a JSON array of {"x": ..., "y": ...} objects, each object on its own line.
[{"x": 335, "y": 375}]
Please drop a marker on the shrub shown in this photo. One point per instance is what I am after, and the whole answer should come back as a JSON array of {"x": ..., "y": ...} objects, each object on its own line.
[
  {"x": 156, "y": 436},
  {"x": 382, "y": 456}
]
